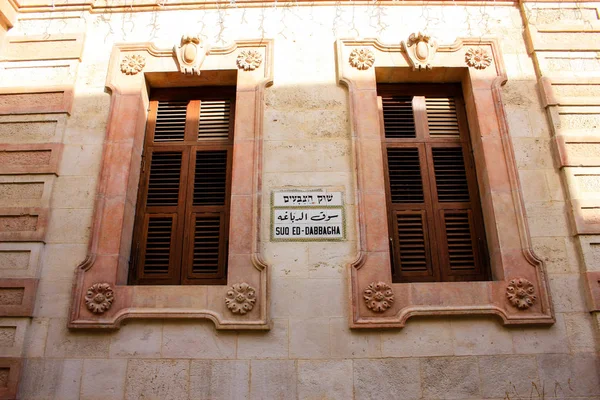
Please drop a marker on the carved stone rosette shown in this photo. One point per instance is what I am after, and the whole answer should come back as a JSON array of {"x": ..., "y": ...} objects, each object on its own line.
[
  {"x": 477, "y": 58},
  {"x": 249, "y": 60},
  {"x": 521, "y": 293},
  {"x": 240, "y": 298},
  {"x": 190, "y": 54},
  {"x": 420, "y": 49},
  {"x": 378, "y": 296},
  {"x": 99, "y": 298},
  {"x": 362, "y": 59},
  {"x": 133, "y": 64}
]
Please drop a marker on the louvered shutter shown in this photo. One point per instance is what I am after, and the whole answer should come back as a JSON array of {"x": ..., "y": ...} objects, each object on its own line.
[
  {"x": 182, "y": 215},
  {"x": 436, "y": 226}
]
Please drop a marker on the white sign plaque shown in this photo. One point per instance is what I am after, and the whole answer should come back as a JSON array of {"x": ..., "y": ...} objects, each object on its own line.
[{"x": 307, "y": 216}]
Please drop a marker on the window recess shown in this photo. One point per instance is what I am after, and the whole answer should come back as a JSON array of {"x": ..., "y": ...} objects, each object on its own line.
[
  {"x": 182, "y": 218},
  {"x": 433, "y": 206}
]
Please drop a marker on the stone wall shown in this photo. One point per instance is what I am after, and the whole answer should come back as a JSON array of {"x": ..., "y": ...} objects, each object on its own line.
[{"x": 310, "y": 353}]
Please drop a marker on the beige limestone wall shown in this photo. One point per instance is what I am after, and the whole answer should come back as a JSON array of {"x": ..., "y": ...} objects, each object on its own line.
[{"x": 310, "y": 353}]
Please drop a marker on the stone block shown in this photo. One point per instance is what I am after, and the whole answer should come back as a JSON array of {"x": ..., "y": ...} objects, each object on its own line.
[
  {"x": 568, "y": 293},
  {"x": 61, "y": 260},
  {"x": 269, "y": 344},
  {"x": 273, "y": 380},
  {"x": 197, "y": 340},
  {"x": 302, "y": 298},
  {"x": 534, "y": 185},
  {"x": 309, "y": 338},
  {"x": 553, "y": 251},
  {"x": 69, "y": 226},
  {"x": 450, "y": 378},
  {"x": 590, "y": 248},
  {"x": 103, "y": 379},
  {"x": 346, "y": 343},
  {"x": 387, "y": 379},
  {"x": 35, "y": 338},
  {"x": 564, "y": 375},
  {"x": 80, "y": 160},
  {"x": 62, "y": 342},
  {"x": 287, "y": 259},
  {"x": 36, "y": 100},
  {"x": 419, "y": 338},
  {"x": 533, "y": 153},
  {"x": 17, "y": 297},
  {"x": 331, "y": 380},
  {"x": 480, "y": 336},
  {"x": 552, "y": 339},
  {"x": 157, "y": 379},
  {"x": 219, "y": 379},
  {"x": 54, "y": 298},
  {"x": 45, "y": 379},
  {"x": 306, "y": 124},
  {"x": 302, "y": 97},
  {"x": 43, "y": 47},
  {"x": 307, "y": 156},
  {"x": 137, "y": 339},
  {"x": 74, "y": 192},
  {"x": 508, "y": 376},
  {"x": 581, "y": 333},
  {"x": 21, "y": 194}
]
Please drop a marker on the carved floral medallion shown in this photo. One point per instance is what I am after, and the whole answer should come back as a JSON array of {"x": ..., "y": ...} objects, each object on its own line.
[
  {"x": 521, "y": 293},
  {"x": 478, "y": 58},
  {"x": 362, "y": 59},
  {"x": 378, "y": 296},
  {"x": 240, "y": 298},
  {"x": 249, "y": 60},
  {"x": 132, "y": 64},
  {"x": 99, "y": 298}
]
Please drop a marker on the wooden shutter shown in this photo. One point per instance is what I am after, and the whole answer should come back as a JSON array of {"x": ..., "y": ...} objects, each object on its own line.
[
  {"x": 182, "y": 216},
  {"x": 435, "y": 221}
]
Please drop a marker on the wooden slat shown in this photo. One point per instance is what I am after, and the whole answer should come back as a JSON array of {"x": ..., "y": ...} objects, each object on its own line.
[
  {"x": 441, "y": 116},
  {"x": 450, "y": 174},
  {"x": 210, "y": 178},
  {"x": 157, "y": 249},
  {"x": 398, "y": 117},
  {"x": 170, "y": 121},
  {"x": 207, "y": 240},
  {"x": 406, "y": 184},
  {"x": 214, "y": 119},
  {"x": 413, "y": 243},
  {"x": 164, "y": 182},
  {"x": 461, "y": 248}
]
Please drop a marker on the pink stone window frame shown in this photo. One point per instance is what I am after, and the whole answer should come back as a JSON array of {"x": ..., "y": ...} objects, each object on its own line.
[
  {"x": 506, "y": 227},
  {"x": 110, "y": 243}
]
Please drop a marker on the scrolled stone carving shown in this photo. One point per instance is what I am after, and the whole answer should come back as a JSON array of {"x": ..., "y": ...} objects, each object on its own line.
[
  {"x": 521, "y": 293},
  {"x": 240, "y": 298},
  {"x": 249, "y": 60},
  {"x": 191, "y": 54},
  {"x": 362, "y": 59},
  {"x": 478, "y": 58},
  {"x": 133, "y": 64},
  {"x": 420, "y": 49},
  {"x": 99, "y": 298},
  {"x": 378, "y": 296}
]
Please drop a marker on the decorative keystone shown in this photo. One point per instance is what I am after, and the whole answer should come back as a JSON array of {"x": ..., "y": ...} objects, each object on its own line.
[
  {"x": 420, "y": 49},
  {"x": 378, "y": 296},
  {"x": 249, "y": 60},
  {"x": 478, "y": 58},
  {"x": 133, "y": 64},
  {"x": 99, "y": 298},
  {"x": 521, "y": 293},
  {"x": 240, "y": 298},
  {"x": 190, "y": 54},
  {"x": 362, "y": 59}
]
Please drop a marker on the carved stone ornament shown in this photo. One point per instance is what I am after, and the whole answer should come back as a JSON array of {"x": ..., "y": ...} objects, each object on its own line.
[
  {"x": 378, "y": 296},
  {"x": 249, "y": 60},
  {"x": 132, "y": 64},
  {"x": 521, "y": 293},
  {"x": 240, "y": 298},
  {"x": 99, "y": 298},
  {"x": 191, "y": 54},
  {"x": 478, "y": 58},
  {"x": 420, "y": 49},
  {"x": 362, "y": 59}
]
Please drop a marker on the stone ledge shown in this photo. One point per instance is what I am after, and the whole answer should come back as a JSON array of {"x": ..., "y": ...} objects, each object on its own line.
[
  {"x": 43, "y": 47},
  {"x": 13, "y": 365},
  {"x": 30, "y": 158},
  {"x": 32, "y": 100}
]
